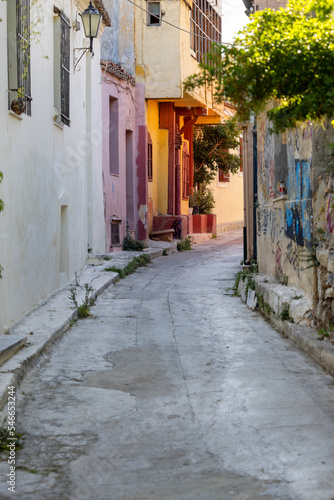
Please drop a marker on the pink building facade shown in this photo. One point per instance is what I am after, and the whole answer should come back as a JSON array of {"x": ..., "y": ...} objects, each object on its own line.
[{"x": 124, "y": 163}]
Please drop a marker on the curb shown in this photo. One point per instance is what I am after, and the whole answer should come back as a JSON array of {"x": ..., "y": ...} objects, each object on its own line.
[
  {"x": 47, "y": 322},
  {"x": 305, "y": 338}
]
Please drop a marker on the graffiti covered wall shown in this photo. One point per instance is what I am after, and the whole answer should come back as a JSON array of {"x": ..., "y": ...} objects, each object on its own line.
[{"x": 285, "y": 207}]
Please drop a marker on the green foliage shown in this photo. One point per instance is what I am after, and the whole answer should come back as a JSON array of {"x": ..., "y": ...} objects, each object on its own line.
[
  {"x": 184, "y": 245},
  {"x": 210, "y": 146},
  {"x": 131, "y": 267},
  {"x": 131, "y": 245},
  {"x": 164, "y": 252},
  {"x": 285, "y": 56},
  {"x": 264, "y": 306},
  {"x": 285, "y": 314},
  {"x": 203, "y": 199}
]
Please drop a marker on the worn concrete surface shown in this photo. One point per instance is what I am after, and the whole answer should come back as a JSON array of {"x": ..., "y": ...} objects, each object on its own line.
[{"x": 175, "y": 390}]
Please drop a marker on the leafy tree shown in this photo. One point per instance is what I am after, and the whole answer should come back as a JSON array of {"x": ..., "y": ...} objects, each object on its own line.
[
  {"x": 285, "y": 56},
  {"x": 210, "y": 150}
]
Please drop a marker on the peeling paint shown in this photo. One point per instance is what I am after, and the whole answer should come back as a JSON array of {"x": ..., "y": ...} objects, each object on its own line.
[{"x": 143, "y": 214}]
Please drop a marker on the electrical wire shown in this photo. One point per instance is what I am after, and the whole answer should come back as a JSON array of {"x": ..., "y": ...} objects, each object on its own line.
[{"x": 177, "y": 27}]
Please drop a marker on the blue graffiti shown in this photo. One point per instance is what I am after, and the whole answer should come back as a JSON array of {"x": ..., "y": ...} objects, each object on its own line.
[{"x": 298, "y": 211}]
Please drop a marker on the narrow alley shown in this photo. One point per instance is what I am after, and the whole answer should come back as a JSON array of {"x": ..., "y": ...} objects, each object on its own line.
[{"x": 175, "y": 390}]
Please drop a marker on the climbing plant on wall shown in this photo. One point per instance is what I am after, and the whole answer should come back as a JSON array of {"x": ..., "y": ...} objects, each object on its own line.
[{"x": 285, "y": 56}]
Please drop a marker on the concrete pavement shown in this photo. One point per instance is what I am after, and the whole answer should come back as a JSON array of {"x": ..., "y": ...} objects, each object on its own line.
[{"x": 175, "y": 390}]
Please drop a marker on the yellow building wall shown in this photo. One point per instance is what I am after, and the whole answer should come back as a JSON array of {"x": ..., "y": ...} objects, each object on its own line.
[
  {"x": 158, "y": 52},
  {"x": 158, "y": 187},
  {"x": 229, "y": 201}
]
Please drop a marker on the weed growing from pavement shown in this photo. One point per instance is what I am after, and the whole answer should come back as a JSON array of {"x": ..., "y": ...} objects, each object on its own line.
[
  {"x": 184, "y": 245},
  {"x": 326, "y": 333},
  {"x": 84, "y": 308},
  {"x": 164, "y": 252},
  {"x": 5, "y": 437},
  {"x": 131, "y": 267}
]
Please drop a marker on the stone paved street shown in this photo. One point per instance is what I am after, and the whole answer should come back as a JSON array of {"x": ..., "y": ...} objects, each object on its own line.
[{"x": 175, "y": 390}]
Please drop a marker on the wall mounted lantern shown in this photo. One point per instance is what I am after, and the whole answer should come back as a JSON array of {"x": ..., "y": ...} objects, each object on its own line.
[{"x": 91, "y": 20}]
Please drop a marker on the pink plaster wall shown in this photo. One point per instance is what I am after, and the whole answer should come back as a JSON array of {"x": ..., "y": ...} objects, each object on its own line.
[
  {"x": 141, "y": 165},
  {"x": 119, "y": 135}
]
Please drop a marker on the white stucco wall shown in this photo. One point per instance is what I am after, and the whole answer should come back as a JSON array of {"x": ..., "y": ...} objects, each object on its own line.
[{"x": 46, "y": 167}]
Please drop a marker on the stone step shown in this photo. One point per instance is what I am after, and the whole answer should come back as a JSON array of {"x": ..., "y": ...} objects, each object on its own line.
[
  {"x": 199, "y": 237},
  {"x": 9, "y": 345}
]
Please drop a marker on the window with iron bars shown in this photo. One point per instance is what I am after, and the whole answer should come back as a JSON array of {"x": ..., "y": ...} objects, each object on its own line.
[
  {"x": 62, "y": 71},
  {"x": 18, "y": 43},
  {"x": 114, "y": 234},
  {"x": 65, "y": 69},
  {"x": 205, "y": 28}
]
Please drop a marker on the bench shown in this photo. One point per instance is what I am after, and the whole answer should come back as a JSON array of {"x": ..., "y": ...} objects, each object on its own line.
[{"x": 164, "y": 235}]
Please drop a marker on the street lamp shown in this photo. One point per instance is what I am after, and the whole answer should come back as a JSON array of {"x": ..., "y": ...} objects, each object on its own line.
[{"x": 91, "y": 20}]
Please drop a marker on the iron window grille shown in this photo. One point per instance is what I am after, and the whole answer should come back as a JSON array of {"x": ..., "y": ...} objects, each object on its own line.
[
  {"x": 65, "y": 69},
  {"x": 115, "y": 238},
  {"x": 19, "y": 72},
  {"x": 205, "y": 28}
]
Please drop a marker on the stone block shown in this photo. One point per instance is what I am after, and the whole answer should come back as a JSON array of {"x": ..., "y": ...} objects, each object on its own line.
[
  {"x": 329, "y": 293},
  {"x": 299, "y": 308},
  {"x": 330, "y": 265},
  {"x": 322, "y": 256},
  {"x": 251, "y": 299}
]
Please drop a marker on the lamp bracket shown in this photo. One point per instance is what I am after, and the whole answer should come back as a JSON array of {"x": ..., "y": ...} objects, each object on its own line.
[{"x": 79, "y": 57}]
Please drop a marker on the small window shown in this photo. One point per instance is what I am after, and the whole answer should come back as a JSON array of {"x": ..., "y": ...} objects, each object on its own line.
[
  {"x": 149, "y": 158},
  {"x": 222, "y": 176},
  {"x": 115, "y": 239},
  {"x": 154, "y": 14},
  {"x": 19, "y": 75}
]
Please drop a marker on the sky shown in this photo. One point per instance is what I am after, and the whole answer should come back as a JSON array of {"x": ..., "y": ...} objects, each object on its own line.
[{"x": 234, "y": 18}]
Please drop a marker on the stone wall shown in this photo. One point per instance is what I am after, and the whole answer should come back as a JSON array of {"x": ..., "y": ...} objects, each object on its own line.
[{"x": 295, "y": 226}]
